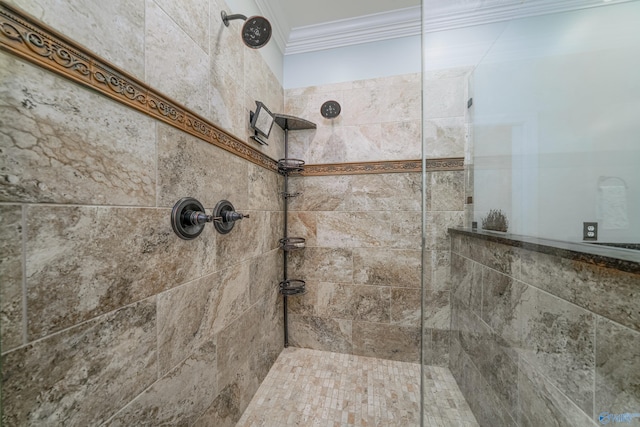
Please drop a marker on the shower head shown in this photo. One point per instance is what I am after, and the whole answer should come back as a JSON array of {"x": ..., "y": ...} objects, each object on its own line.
[{"x": 256, "y": 31}]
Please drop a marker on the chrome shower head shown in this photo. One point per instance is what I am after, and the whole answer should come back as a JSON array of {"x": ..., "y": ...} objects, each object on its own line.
[{"x": 256, "y": 31}]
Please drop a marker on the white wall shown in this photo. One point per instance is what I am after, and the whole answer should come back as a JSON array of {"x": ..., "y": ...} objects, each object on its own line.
[
  {"x": 365, "y": 61},
  {"x": 568, "y": 86}
]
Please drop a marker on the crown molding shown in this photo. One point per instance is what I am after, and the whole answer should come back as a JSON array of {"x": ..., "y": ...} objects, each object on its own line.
[
  {"x": 353, "y": 31},
  {"x": 30, "y": 39},
  {"x": 457, "y": 17},
  {"x": 406, "y": 22}
]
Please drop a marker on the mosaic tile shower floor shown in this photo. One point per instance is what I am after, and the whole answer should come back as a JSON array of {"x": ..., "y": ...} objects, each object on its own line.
[{"x": 317, "y": 388}]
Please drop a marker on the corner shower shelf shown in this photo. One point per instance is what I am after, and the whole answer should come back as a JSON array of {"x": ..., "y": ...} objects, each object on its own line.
[
  {"x": 290, "y": 287},
  {"x": 293, "y": 287},
  {"x": 292, "y": 243}
]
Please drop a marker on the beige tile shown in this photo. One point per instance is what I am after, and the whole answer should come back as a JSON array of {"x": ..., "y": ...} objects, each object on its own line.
[
  {"x": 165, "y": 67},
  {"x": 192, "y": 17},
  {"x": 387, "y": 267},
  {"x": 84, "y": 374},
  {"x": 92, "y": 24},
  {"x": 178, "y": 397},
  {"x": 392, "y": 342},
  {"x": 11, "y": 312},
  {"x": 190, "y": 167},
  {"x": 331, "y": 389},
  {"x": 100, "y": 258},
  {"x": 70, "y": 145}
]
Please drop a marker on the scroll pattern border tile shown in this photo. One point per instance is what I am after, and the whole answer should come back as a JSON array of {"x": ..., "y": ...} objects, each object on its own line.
[{"x": 35, "y": 42}]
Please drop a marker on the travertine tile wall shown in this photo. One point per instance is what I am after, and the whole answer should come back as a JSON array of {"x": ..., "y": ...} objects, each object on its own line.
[
  {"x": 362, "y": 263},
  {"x": 107, "y": 316},
  {"x": 542, "y": 340}
]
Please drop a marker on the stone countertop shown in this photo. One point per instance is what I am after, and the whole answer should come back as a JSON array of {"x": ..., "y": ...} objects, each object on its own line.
[{"x": 606, "y": 256}]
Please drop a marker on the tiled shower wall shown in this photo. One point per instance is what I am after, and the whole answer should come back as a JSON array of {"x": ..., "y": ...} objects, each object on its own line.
[
  {"x": 362, "y": 263},
  {"x": 107, "y": 316},
  {"x": 539, "y": 339}
]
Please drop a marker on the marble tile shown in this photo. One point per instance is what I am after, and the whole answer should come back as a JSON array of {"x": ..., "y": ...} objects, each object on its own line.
[
  {"x": 437, "y": 237},
  {"x": 558, "y": 341},
  {"x": 190, "y": 315},
  {"x": 84, "y": 374},
  {"x": 265, "y": 189},
  {"x": 444, "y": 137},
  {"x": 331, "y": 389},
  {"x": 541, "y": 403},
  {"x": 190, "y": 167},
  {"x": 225, "y": 411},
  {"x": 605, "y": 291},
  {"x": 405, "y": 306},
  {"x": 438, "y": 352},
  {"x": 165, "y": 68},
  {"x": 307, "y": 303},
  {"x": 225, "y": 110},
  {"x": 322, "y": 264},
  {"x": 192, "y": 18},
  {"x": 463, "y": 279},
  {"x": 393, "y": 342},
  {"x": 98, "y": 259},
  {"x": 617, "y": 387},
  {"x": 441, "y": 280},
  {"x": 249, "y": 238},
  {"x": 236, "y": 346},
  {"x": 64, "y": 144},
  {"x": 354, "y": 302},
  {"x": 444, "y": 98},
  {"x": 265, "y": 274},
  {"x": 382, "y": 103},
  {"x": 445, "y": 191},
  {"x": 388, "y": 192},
  {"x": 227, "y": 48},
  {"x": 402, "y": 140},
  {"x": 179, "y": 397},
  {"x": 93, "y": 25},
  {"x": 501, "y": 299},
  {"x": 303, "y": 224},
  {"x": 406, "y": 230},
  {"x": 353, "y": 229},
  {"x": 321, "y": 333},
  {"x": 183, "y": 321},
  {"x": 387, "y": 267},
  {"x": 503, "y": 258},
  {"x": 437, "y": 311},
  {"x": 11, "y": 311},
  {"x": 320, "y": 193},
  {"x": 485, "y": 404},
  {"x": 427, "y": 269}
]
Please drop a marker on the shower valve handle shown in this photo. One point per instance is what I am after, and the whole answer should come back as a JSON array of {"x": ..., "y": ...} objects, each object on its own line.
[
  {"x": 197, "y": 217},
  {"x": 230, "y": 216}
]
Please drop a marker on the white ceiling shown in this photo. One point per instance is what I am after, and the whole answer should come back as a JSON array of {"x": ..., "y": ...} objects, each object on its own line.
[
  {"x": 306, "y": 25},
  {"x": 300, "y": 13}
]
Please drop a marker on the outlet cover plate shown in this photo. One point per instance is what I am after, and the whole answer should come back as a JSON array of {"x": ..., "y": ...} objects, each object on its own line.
[{"x": 590, "y": 231}]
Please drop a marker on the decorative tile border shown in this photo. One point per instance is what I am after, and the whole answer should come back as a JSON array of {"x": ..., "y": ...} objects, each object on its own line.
[
  {"x": 394, "y": 166},
  {"x": 29, "y": 39}
]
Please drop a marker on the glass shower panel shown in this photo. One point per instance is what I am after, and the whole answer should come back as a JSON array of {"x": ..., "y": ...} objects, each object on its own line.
[{"x": 555, "y": 126}]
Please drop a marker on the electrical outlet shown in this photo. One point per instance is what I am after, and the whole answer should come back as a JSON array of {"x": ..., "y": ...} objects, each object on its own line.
[{"x": 590, "y": 231}]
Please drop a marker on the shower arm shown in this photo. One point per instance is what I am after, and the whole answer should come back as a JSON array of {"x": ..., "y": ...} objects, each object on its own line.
[{"x": 226, "y": 18}]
